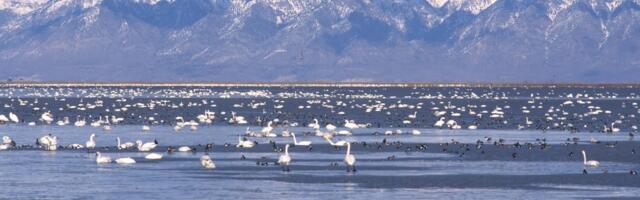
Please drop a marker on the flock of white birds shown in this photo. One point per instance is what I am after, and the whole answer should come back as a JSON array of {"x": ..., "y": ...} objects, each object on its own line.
[{"x": 542, "y": 111}]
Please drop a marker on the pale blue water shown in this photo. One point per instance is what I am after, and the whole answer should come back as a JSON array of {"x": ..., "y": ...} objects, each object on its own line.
[{"x": 74, "y": 174}]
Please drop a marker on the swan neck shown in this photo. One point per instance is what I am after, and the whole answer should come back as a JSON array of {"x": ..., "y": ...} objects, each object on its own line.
[
  {"x": 348, "y": 149},
  {"x": 286, "y": 150},
  {"x": 584, "y": 157}
]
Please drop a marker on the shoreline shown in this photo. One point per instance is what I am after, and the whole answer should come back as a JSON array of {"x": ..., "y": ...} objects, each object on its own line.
[{"x": 6, "y": 84}]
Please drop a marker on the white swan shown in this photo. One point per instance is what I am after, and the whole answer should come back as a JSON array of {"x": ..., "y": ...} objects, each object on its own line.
[
  {"x": 321, "y": 134},
  {"x": 207, "y": 162},
  {"x": 284, "y": 160},
  {"x": 315, "y": 124},
  {"x": 3, "y": 119},
  {"x": 100, "y": 159},
  {"x": 146, "y": 146},
  {"x": 125, "y": 145},
  {"x": 267, "y": 129},
  {"x": 413, "y": 116},
  {"x": 415, "y": 132},
  {"x": 48, "y": 142},
  {"x": 91, "y": 144},
  {"x": 46, "y": 117},
  {"x": 592, "y": 163},
  {"x": 146, "y": 128},
  {"x": 245, "y": 143},
  {"x": 344, "y": 132},
  {"x": 339, "y": 143},
  {"x": 7, "y": 143},
  {"x": 237, "y": 119},
  {"x": 184, "y": 149},
  {"x": 350, "y": 124},
  {"x": 6, "y": 140},
  {"x": 153, "y": 156},
  {"x": 350, "y": 159},
  {"x": 286, "y": 133},
  {"x": 14, "y": 117},
  {"x": 614, "y": 129},
  {"x": 301, "y": 143},
  {"x": 126, "y": 160},
  {"x": 330, "y": 127},
  {"x": 80, "y": 123},
  {"x": 439, "y": 123}
]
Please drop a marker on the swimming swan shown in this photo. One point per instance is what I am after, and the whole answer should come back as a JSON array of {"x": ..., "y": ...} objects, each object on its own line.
[
  {"x": 207, "y": 162},
  {"x": 153, "y": 156},
  {"x": 126, "y": 160},
  {"x": 301, "y": 143},
  {"x": 245, "y": 143},
  {"x": 146, "y": 146},
  {"x": 592, "y": 163},
  {"x": 338, "y": 144},
  {"x": 91, "y": 144},
  {"x": 125, "y": 145},
  {"x": 100, "y": 159}
]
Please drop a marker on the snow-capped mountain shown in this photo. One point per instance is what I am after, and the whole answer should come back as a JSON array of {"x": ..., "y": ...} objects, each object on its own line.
[{"x": 317, "y": 40}]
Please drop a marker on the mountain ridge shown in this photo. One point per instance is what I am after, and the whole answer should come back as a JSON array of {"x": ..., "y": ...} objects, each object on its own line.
[{"x": 294, "y": 40}]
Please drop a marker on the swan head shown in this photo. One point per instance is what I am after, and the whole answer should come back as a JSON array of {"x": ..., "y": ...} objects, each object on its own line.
[{"x": 139, "y": 142}]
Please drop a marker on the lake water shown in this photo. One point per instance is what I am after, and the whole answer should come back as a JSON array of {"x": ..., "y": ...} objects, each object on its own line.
[{"x": 440, "y": 162}]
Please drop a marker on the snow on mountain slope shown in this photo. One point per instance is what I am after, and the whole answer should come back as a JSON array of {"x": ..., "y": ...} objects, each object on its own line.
[{"x": 306, "y": 40}]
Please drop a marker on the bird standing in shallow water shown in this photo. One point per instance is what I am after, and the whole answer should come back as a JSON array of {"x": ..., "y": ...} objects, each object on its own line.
[
  {"x": 284, "y": 160},
  {"x": 350, "y": 159}
]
